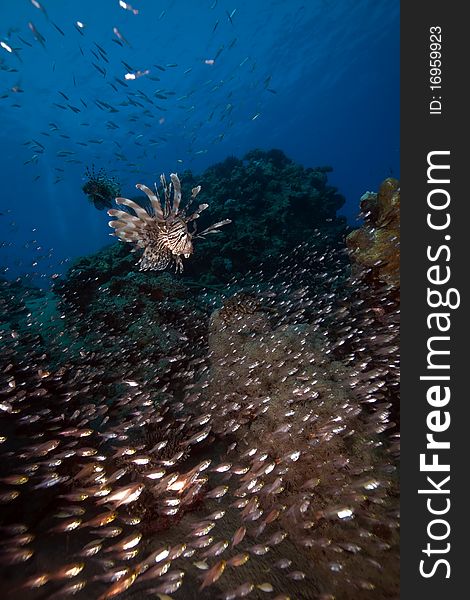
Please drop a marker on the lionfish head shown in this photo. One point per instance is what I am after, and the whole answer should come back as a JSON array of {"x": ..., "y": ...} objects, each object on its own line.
[{"x": 179, "y": 239}]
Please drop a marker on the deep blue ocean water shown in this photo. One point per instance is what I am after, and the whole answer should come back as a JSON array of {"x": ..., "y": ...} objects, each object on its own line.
[{"x": 318, "y": 79}]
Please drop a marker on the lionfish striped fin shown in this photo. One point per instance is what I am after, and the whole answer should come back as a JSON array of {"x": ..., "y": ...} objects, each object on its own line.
[
  {"x": 119, "y": 224},
  {"x": 123, "y": 227},
  {"x": 121, "y": 214},
  {"x": 167, "y": 194},
  {"x": 139, "y": 211},
  {"x": 129, "y": 234},
  {"x": 155, "y": 258},
  {"x": 127, "y": 227},
  {"x": 177, "y": 193},
  {"x": 154, "y": 200},
  {"x": 197, "y": 212},
  {"x": 129, "y": 237},
  {"x": 214, "y": 228}
]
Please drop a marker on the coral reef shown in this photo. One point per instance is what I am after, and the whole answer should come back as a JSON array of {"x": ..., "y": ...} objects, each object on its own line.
[
  {"x": 29, "y": 318},
  {"x": 132, "y": 312},
  {"x": 264, "y": 428},
  {"x": 100, "y": 188},
  {"x": 14, "y": 297},
  {"x": 274, "y": 203},
  {"x": 376, "y": 245},
  {"x": 160, "y": 433},
  {"x": 88, "y": 273}
]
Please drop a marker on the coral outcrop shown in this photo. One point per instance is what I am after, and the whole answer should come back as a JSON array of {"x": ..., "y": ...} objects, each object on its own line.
[
  {"x": 115, "y": 309},
  {"x": 375, "y": 247},
  {"x": 274, "y": 204}
]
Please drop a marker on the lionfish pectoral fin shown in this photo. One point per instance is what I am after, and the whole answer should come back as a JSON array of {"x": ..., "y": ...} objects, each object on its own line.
[
  {"x": 141, "y": 213},
  {"x": 178, "y": 264},
  {"x": 121, "y": 214},
  {"x": 154, "y": 259}
]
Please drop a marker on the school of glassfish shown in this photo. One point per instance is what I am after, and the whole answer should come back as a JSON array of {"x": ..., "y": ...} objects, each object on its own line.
[{"x": 255, "y": 462}]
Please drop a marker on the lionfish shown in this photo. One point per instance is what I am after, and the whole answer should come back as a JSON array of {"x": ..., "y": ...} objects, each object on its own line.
[
  {"x": 100, "y": 188},
  {"x": 162, "y": 232}
]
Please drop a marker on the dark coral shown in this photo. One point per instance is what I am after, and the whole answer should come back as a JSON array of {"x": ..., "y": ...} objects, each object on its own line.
[
  {"x": 274, "y": 203},
  {"x": 132, "y": 311}
]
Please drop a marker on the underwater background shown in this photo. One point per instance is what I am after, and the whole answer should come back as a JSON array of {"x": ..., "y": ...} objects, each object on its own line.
[
  {"x": 207, "y": 412},
  {"x": 323, "y": 78}
]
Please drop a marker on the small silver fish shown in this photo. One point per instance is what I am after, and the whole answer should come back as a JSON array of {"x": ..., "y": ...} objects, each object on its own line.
[
  {"x": 124, "y": 495},
  {"x": 213, "y": 574}
]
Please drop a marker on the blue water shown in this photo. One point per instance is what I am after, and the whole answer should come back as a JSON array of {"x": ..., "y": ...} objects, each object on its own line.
[{"x": 318, "y": 79}]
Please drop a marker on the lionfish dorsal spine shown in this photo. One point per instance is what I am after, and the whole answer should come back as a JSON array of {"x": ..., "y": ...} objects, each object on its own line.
[
  {"x": 214, "y": 228},
  {"x": 196, "y": 214},
  {"x": 194, "y": 192},
  {"x": 167, "y": 194},
  {"x": 177, "y": 192},
  {"x": 154, "y": 200}
]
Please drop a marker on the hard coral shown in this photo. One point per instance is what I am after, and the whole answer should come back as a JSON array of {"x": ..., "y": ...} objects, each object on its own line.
[
  {"x": 111, "y": 306},
  {"x": 375, "y": 247}
]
